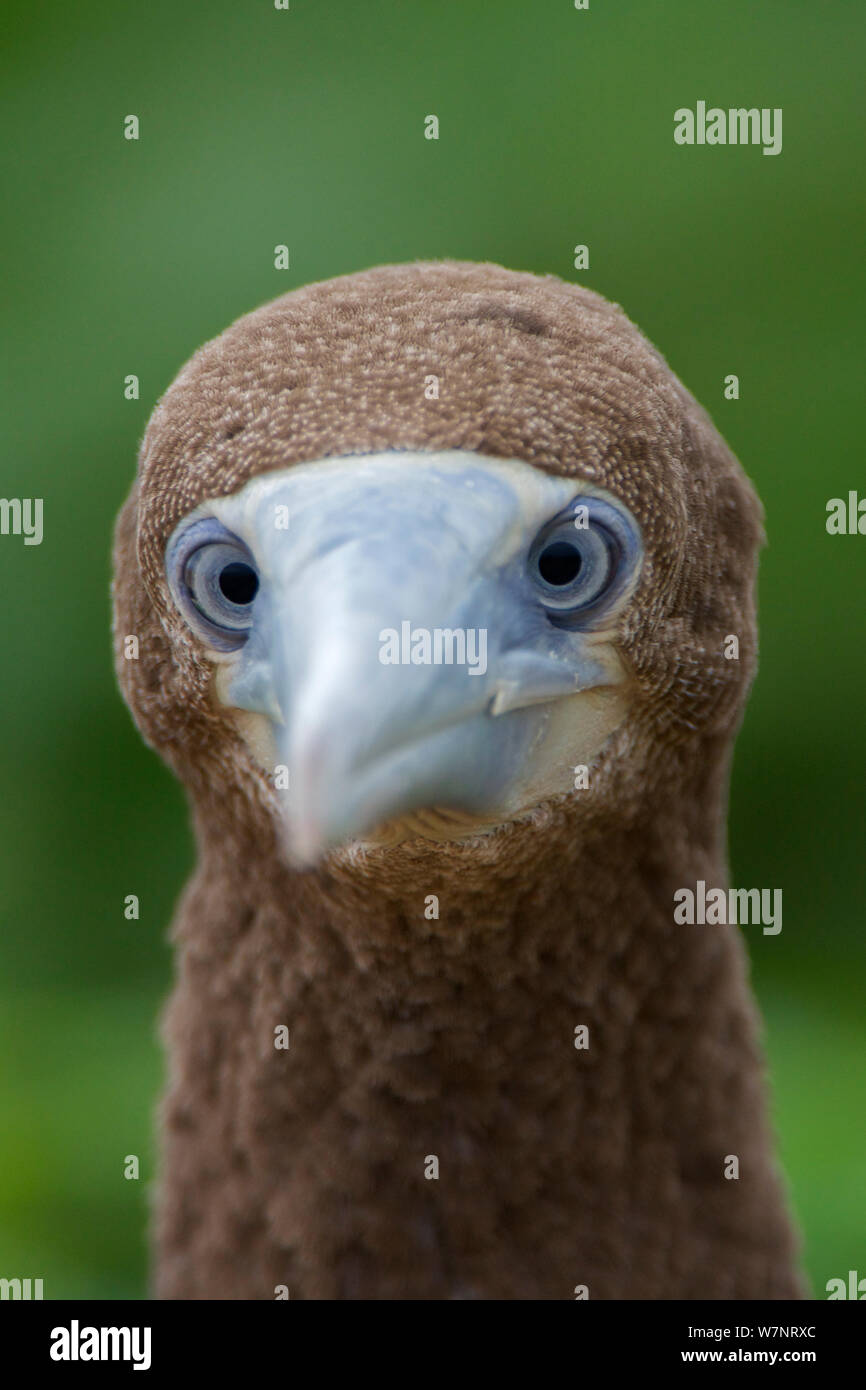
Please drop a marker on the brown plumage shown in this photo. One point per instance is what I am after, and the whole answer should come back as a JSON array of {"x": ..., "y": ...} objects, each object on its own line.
[{"x": 410, "y": 1037}]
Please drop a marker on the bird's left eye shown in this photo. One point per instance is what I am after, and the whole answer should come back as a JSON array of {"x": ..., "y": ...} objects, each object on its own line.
[
  {"x": 583, "y": 559},
  {"x": 214, "y": 581}
]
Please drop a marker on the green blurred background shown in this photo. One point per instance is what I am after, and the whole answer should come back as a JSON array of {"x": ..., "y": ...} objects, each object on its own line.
[{"x": 305, "y": 127}]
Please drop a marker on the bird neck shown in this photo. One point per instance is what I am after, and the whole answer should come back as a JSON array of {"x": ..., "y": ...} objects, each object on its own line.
[
  {"x": 495, "y": 1069},
  {"x": 387, "y": 1068}
]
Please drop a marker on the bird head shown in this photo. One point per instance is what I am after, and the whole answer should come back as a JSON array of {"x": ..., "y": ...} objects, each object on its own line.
[{"x": 418, "y": 552}]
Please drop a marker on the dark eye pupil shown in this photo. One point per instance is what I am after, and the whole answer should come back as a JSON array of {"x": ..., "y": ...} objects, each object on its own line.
[
  {"x": 238, "y": 582},
  {"x": 559, "y": 563}
]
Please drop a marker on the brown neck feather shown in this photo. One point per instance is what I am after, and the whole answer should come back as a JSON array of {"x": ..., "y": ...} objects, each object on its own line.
[{"x": 412, "y": 1038}]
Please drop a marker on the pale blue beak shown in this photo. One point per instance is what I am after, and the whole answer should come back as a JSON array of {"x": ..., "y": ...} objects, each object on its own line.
[{"x": 398, "y": 646}]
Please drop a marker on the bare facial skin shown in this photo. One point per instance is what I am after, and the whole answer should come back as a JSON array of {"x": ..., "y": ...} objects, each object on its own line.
[{"x": 460, "y": 542}]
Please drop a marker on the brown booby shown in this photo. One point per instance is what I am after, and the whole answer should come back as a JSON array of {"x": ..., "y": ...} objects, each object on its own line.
[{"x": 444, "y": 674}]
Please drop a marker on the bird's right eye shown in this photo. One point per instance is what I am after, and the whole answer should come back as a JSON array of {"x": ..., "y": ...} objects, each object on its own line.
[{"x": 214, "y": 581}]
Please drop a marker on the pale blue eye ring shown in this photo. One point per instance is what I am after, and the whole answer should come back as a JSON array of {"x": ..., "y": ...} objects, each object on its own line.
[
  {"x": 577, "y": 570},
  {"x": 214, "y": 581}
]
